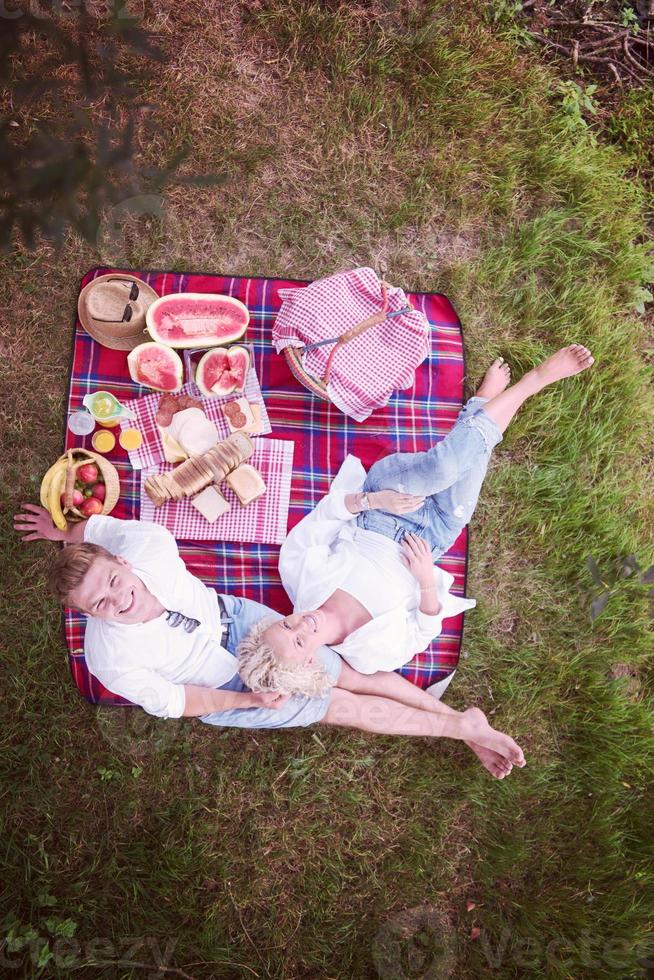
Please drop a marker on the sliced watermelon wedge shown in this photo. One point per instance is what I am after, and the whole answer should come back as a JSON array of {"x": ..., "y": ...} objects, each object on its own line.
[
  {"x": 222, "y": 371},
  {"x": 156, "y": 366},
  {"x": 196, "y": 319}
]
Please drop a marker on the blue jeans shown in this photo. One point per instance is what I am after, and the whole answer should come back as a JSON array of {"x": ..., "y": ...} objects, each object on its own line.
[
  {"x": 449, "y": 476},
  {"x": 298, "y": 710}
]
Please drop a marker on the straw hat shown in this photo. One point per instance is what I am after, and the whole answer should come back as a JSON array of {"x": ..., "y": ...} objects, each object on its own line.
[{"x": 106, "y": 303}]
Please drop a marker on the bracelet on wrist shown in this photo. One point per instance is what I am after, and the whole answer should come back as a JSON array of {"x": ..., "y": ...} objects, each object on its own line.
[
  {"x": 429, "y": 588},
  {"x": 364, "y": 502}
]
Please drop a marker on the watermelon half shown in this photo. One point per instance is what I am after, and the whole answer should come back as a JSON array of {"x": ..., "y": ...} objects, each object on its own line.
[
  {"x": 222, "y": 371},
  {"x": 196, "y": 319},
  {"x": 156, "y": 366}
]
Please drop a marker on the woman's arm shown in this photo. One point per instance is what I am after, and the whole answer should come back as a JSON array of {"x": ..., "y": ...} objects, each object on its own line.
[
  {"x": 416, "y": 555},
  {"x": 204, "y": 700},
  {"x": 390, "y": 501}
]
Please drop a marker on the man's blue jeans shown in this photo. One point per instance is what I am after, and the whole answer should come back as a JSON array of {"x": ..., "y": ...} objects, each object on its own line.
[
  {"x": 449, "y": 476},
  {"x": 299, "y": 710}
]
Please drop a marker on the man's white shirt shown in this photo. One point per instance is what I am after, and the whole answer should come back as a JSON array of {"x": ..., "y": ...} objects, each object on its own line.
[{"x": 149, "y": 663}]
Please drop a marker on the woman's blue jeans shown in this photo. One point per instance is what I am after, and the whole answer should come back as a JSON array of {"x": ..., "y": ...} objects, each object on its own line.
[{"x": 449, "y": 476}]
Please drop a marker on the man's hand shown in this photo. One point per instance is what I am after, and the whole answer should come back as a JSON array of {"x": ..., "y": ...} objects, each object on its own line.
[
  {"x": 268, "y": 699},
  {"x": 416, "y": 555},
  {"x": 394, "y": 502},
  {"x": 39, "y": 524}
]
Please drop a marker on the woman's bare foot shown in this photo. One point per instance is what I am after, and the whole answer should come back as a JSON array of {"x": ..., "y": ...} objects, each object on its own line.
[
  {"x": 566, "y": 362},
  {"x": 478, "y": 730},
  {"x": 496, "y": 379},
  {"x": 497, "y": 765}
]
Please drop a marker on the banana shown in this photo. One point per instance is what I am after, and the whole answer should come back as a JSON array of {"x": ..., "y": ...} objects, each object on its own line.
[
  {"x": 54, "y": 482},
  {"x": 54, "y": 494},
  {"x": 46, "y": 482}
]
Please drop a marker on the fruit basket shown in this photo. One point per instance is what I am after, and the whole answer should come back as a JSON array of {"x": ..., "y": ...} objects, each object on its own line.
[{"x": 60, "y": 487}]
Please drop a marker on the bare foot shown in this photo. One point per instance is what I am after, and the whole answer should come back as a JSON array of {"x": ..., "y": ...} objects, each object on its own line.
[
  {"x": 497, "y": 764},
  {"x": 566, "y": 362},
  {"x": 496, "y": 379},
  {"x": 479, "y": 731}
]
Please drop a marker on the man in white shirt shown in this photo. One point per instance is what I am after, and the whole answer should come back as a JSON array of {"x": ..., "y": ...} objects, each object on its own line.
[{"x": 160, "y": 637}]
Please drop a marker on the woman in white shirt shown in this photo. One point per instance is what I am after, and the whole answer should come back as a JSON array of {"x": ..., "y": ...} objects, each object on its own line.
[{"x": 359, "y": 568}]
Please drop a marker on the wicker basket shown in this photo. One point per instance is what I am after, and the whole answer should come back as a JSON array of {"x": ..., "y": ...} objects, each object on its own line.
[
  {"x": 109, "y": 475},
  {"x": 295, "y": 355}
]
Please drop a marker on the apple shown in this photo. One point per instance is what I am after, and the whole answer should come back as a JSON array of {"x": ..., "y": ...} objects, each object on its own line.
[
  {"x": 77, "y": 498},
  {"x": 99, "y": 491},
  {"x": 88, "y": 473},
  {"x": 91, "y": 506}
]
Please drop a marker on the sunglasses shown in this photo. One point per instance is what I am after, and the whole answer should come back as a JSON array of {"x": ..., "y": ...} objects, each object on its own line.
[
  {"x": 127, "y": 312},
  {"x": 176, "y": 619}
]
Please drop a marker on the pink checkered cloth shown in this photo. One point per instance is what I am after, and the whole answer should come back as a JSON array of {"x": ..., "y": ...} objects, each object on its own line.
[
  {"x": 262, "y": 522},
  {"x": 367, "y": 369},
  {"x": 150, "y": 452}
]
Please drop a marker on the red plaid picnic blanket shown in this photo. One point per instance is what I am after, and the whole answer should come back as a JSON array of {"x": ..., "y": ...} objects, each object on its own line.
[
  {"x": 369, "y": 368},
  {"x": 323, "y": 436},
  {"x": 263, "y": 521}
]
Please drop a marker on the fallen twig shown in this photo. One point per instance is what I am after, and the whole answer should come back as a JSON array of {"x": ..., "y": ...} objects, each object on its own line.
[
  {"x": 604, "y": 42},
  {"x": 562, "y": 48},
  {"x": 616, "y": 73},
  {"x": 602, "y": 24},
  {"x": 634, "y": 61}
]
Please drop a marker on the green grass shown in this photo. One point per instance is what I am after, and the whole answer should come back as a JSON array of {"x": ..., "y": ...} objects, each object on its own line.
[{"x": 412, "y": 138}]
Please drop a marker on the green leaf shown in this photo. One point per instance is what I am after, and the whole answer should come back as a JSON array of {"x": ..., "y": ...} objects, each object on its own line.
[
  {"x": 45, "y": 955},
  {"x": 69, "y": 960},
  {"x": 19, "y": 936},
  {"x": 61, "y": 927},
  {"x": 642, "y": 296}
]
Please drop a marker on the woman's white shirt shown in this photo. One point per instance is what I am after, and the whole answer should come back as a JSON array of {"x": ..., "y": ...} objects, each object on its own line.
[{"x": 326, "y": 551}]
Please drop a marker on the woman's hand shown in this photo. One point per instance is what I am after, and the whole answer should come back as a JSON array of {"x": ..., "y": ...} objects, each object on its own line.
[
  {"x": 268, "y": 699},
  {"x": 394, "y": 502},
  {"x": 416, "y": 555},
  {"x": 39, "y": 524}
]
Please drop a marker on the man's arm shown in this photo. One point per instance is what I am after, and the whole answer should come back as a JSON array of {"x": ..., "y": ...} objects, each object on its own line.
[
  {"x": 40, "y": 526},
  {"x": 205, "y": 700}
]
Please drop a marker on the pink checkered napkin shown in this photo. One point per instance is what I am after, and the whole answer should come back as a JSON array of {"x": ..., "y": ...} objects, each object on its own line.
[
  {"x": 367, "y": 370},
  {"x": 150, "y": 452},
  {"x": 263, "y": 522}
]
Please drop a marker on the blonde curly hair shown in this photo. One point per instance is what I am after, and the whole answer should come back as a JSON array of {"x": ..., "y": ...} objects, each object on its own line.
[{"x": 261, "y": 670}]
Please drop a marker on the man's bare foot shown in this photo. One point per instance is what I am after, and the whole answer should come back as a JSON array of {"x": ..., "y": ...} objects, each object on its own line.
[
  {"x": 497, "y": 764},
  {"x": 479, "y": 731},
  {"x": 496, "y": 379},
  {"x": 566, "y": 362}
]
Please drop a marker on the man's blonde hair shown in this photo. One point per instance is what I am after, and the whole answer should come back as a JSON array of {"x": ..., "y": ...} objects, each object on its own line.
[
  {"x": 70, "y": 568},
  {"x": 261, "y": 670}
]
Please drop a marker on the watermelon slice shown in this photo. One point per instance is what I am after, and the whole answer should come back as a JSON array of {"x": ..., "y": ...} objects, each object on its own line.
[
  {"x": 196, "y": 319},
  {"x": 156, "y": 366},
  {"x": 222, "y": 371}
]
